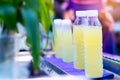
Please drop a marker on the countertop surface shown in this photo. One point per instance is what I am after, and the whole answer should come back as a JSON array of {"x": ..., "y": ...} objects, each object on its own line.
[{"x": 23, "y": 58}]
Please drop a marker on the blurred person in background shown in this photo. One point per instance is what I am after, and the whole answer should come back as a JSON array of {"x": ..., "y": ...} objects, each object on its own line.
[
  {"x": 68, "y": 12},
  {"x": 114, "y": 8},
  {"x": 60, "y": 8}
]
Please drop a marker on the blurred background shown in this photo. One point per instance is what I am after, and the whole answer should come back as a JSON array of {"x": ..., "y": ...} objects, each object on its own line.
[{"x": 113, "y": 6}]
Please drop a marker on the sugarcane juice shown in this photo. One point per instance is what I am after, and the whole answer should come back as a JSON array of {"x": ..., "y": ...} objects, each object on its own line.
[
  {"x": 58, "y": 42},
  {"x": 78, "y": 36},
  {"x": 67, "y": 55},
  {"x": 93, "y": 52}
]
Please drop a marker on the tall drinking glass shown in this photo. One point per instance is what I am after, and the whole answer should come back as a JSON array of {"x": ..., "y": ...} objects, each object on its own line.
[
  {"x": 78, "y": 36},
  {"x": 93, "y": 46},
  {"x": 67, "y": 54},
  {"x": 58, "y": 37}
]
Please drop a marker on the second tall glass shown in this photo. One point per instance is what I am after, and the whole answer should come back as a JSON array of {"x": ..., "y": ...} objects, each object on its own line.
[{"x": 67, "y": 54}]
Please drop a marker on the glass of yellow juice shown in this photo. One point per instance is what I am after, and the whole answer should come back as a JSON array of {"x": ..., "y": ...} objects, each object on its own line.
[
  {"x": 67, "y": 54},
  {"x": 58, "y": 38},
  {"x": 93, "y": 49},
  {"x": 78, "y": 37}
]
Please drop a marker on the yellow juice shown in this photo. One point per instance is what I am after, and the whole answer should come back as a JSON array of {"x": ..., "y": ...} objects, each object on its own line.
[
  {"x": 54, "y": 40},
  {"x": 58, "y": 43},
  {"x": 93, "y": 52},
  {"x": 78, "y": 36},
  {"x": 67, "y": 55}
]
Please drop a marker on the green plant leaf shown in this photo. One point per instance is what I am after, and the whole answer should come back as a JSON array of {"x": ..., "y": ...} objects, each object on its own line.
[
  {"x": 33, "y": 4},
  {"x": 6, "y": 2},
  {"x": 53, "y": 35},
  {"x": 31, "y": 23},
  {"x": 49, "y": 4},
  {"x": 0, "y": 20},
  {"x": 8, "y": 14},
  {"x": 17, "y": 3},
  {"x": 44, "y": 15}
]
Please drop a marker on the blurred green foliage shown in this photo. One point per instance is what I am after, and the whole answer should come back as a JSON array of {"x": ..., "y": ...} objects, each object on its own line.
[{"x": 29, "y": 13}]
